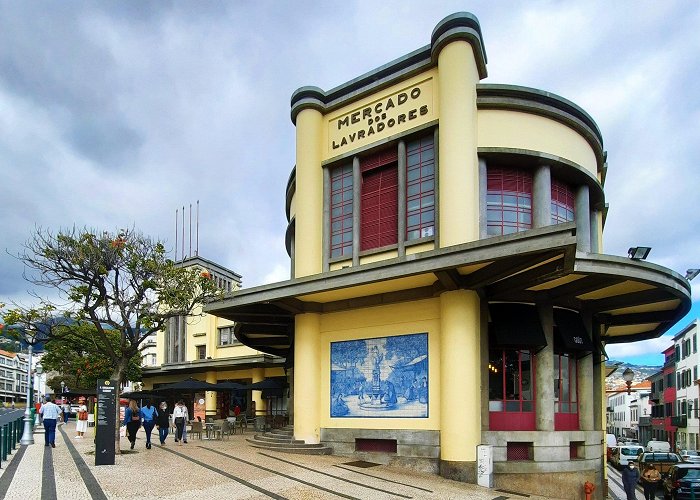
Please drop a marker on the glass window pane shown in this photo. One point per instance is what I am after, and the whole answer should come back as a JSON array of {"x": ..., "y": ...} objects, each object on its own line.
[
  {"x": 427, "y": 201},
  {"x": 413, "y": 174}
]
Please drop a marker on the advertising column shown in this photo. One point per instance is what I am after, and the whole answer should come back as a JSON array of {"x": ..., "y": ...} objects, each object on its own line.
[{"x": 105, "y": 426}]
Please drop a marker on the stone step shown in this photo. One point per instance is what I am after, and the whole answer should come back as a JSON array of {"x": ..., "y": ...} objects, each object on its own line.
[{"x": 277, "y": 439}]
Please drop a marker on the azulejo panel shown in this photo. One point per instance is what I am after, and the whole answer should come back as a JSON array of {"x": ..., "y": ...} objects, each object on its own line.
[{"x": 380, "y": 377}]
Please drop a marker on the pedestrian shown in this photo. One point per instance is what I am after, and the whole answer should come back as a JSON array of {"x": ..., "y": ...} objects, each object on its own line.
[
  {"x": 150, "y": 414},
  {"x": 66, "y": 411},
  {"x": 650, "y": 480},
  {"x": 12, "y": 405},
  {"x": 81, "y": 422},
  {"x": 180, "y": 416},
  {"x": 132, "y": 420},
  {"x": 50, "y": 412},
  {"x": 163, "y": 422},
  {"x": 630, "y": 476}
]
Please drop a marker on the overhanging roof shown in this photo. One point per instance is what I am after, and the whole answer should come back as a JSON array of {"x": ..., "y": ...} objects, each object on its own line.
[{"x": 633, "y": 300}]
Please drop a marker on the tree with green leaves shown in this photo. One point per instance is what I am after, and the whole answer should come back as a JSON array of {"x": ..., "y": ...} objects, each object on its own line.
[
  {"x": 80, "y": 361},
  {"x": 122, "y": 283}
]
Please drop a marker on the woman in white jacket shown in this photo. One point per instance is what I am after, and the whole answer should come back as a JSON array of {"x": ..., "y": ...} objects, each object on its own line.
[{"x": 180, "y": 417}]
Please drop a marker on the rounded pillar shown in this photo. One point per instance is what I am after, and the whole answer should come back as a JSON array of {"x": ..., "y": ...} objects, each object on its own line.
[
  {"x": 544, "y": 366},
  {"x": 460, "y": 383},
  {"x": 210, "y": 409},
  {"x": 308, "y": 236},
  {"x": 258, "y": 375},
  {"x": 583, "y": 220},
  {"x": 542, "y": 197},
  {"x": 458, "y": 168},
  {"x": 307, "y": 377}
]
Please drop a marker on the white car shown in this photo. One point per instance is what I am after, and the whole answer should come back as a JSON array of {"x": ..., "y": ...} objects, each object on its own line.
[{"x": 692, "y": 456}]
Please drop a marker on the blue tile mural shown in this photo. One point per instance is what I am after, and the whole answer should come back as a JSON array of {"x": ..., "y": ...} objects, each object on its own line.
[{"x": 380, "y": 377}]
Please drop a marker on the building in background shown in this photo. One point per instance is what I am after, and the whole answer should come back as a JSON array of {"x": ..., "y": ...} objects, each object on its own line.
[
  {"x": 445, "y": 238},
  {"x": 13, "y": 377},
  {"x": 685, "y": 418},
  {"x": 625, "y": 410},
  {"x": 204, "y": 347}
]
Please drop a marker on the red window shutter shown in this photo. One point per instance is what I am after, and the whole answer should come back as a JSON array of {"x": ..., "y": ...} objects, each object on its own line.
[
  {"x": 379, "y": 223},
  {"x": 379, "y": 160}
]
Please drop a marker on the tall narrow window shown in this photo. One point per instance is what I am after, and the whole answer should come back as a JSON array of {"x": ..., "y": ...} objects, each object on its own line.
[
  {"x": 511, "y": 395},
  {"x": 420, "y": 188},
  {"x": 379, "y": 201},
  {"x": 562, "y": 203},
  {"x": 565, "y": 393},
  {"x": 508, "y": 201},
  {"x": 341, "y": 211}
]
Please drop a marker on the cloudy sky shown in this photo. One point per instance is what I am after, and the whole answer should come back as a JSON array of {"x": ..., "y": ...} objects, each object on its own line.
[{"x": 115, "y": 114}]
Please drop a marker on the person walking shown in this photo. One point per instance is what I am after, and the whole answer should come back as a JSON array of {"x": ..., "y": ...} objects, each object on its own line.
[
  {"x": 150, "y": 414},
  {"x": 180, "y": 416},
  {"x": 630, "y": 476},
  {"x": 50, "y": 412},
  {"x": 81, "y": 422},
  {"x": 66, "y": 411},
  {"x": 650, "y": 480},
  {"x": 163, "y": 422},
  {"x": 132, "y": 420}
]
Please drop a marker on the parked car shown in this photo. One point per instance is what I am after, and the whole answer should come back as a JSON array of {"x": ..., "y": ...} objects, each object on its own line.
[
  {"x": 661, "y": 460},
  {"x": 692, "y": 456},
  {"x": 658, "y": 446},
  {"x": 682, "y": 482},
  {"x": 624, "y": 454}
]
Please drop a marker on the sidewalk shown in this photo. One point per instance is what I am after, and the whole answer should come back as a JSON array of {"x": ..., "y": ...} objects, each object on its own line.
[{"x": 226, "y": 470}]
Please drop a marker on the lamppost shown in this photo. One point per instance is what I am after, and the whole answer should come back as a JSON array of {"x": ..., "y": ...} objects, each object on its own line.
[
  {"x": 38, "y": 370},
  {"x": 63, "y": 389},
  {"x": 28, "y": 434}
]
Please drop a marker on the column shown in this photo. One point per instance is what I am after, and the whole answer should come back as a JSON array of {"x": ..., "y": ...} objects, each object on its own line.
[
  {"x": 596, "y": 233},
  {"x": 258, "y": 375},
  {"x": 542, "y": 197},
  {"x": 307, "y": 377},
  {"x": 483, "y": 190},
  {"x": 401, "y": 243},
  {"x": 544, "y": 363},
  {"x": 460, "y": 383},
  {"x": 309, "y": 195},
  {"x": 586, "y": 391},
  {"x": 458, "y": 167},
  {"x": 583, "y": 220},
  {"x": 210, "y": 409},
  {"x": 356, "y": 204}
]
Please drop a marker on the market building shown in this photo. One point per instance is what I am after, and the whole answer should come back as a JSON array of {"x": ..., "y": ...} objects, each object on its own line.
[
  {"x": 203, "y": 347},
  {"x": 449, "y": 287}
]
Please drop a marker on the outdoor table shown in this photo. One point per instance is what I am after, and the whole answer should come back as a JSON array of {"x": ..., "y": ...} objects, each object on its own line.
[{"x": 210, "y": 427}]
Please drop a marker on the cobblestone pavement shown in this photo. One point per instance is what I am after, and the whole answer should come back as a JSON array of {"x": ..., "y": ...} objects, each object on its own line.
[{"x": 228, "y": 469}]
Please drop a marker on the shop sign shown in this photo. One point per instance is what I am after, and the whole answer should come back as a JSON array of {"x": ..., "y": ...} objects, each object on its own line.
[{"x": 388, "y": 115}]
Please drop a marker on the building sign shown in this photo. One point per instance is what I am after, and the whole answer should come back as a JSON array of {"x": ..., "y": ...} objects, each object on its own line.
[
  {"x": 380, "y": 377},
  {"x": 105, "y": 426},
  {"x": 392, "y": 113}
]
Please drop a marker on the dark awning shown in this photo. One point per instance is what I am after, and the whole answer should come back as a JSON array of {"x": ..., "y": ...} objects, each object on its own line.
[
  {"x": 515, "y": 326},
  {"x": 570, "y": 335}
]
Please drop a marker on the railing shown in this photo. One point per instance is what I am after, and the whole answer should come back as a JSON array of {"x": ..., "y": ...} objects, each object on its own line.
[{"x": 11, "y": 428}]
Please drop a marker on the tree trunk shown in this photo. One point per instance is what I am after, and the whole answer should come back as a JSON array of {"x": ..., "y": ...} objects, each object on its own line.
[{"x": 117, "y": 375}]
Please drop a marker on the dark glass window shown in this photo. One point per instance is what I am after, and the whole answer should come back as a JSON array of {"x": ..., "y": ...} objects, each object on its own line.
[
  {"x": 201, "y": 352},
  {"x": 341, "y": 211},
  {"x": 420, "y": 188},
  {"x": 562, "y": 203},
  {"x": 508, "y": 201},
  {"x": 565, "y": 392},
  {"x": 511, "y": 381}
]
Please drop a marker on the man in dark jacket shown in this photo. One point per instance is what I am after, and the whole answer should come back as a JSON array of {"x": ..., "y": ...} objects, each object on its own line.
[{"x": 630, "y": 476}]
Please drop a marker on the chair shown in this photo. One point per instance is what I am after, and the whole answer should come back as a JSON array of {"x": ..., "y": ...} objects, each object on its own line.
[
  {"x": 196, "y": 428},
  {"x": 241, "y": 422},
  {"x": 221, "y": 429}
]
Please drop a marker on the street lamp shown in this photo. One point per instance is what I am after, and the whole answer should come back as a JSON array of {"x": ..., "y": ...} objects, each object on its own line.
[
  {"x": 63, "y": 387},
  {"x": 38, "y": 370},
  {"x": 28, "y": 434},
  {"x": 628, "y": 376}
]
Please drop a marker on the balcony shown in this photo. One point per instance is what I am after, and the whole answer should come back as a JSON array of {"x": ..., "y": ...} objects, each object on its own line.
[
  {"x": 679, "y": 421},
  {"x": 644, "y": 421}
]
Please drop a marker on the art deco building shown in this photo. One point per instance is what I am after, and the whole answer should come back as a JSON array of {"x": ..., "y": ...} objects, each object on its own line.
[{"x": 449, "y": 286}]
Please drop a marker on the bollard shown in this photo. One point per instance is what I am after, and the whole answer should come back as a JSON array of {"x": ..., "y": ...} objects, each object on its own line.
[
  {"x": 3, "y": 456},
  {"x": 5, "y": 433}
]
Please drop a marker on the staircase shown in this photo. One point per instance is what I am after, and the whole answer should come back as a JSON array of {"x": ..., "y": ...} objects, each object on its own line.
[{"x": 283, "y": 440}]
